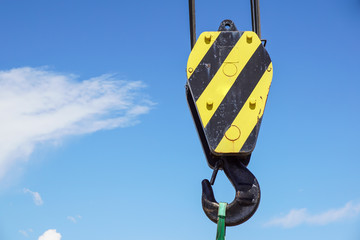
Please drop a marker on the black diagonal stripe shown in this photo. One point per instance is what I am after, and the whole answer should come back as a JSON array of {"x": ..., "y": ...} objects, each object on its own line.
[
  {"x": 250, "y": 142},
  {"x": 212, "y": 62},
  {"x": 234, "y": 100}
]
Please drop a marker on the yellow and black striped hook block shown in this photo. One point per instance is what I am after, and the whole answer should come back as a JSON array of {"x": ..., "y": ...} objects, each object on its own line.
[{"x": 229, "y": 74}]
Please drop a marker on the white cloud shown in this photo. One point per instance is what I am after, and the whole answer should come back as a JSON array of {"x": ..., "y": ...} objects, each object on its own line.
[
  {"x": 35, "y": 195},
  {"x": 50, "y": 234},
  {"x": 40, "y": 106},
  {"x": 302, "y": 216}
]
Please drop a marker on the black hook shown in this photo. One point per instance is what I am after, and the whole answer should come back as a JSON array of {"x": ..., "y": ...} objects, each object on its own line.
[{"x": 247, "y": 196}]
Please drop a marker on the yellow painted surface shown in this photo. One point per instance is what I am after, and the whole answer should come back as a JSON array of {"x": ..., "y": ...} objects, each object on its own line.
[
  {"x": 226, "y": 76},
  {"x": 233, "y": 133},
  {"x": 202, "y": 46},
  {"x": 249, "y": 115}
]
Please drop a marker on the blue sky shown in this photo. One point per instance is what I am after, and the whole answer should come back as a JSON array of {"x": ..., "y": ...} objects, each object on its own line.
[{"x": 97, "y": 141}]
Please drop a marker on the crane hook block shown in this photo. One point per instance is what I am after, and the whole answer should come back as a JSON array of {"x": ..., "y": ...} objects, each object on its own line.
[{"x": 229, "y": 74}]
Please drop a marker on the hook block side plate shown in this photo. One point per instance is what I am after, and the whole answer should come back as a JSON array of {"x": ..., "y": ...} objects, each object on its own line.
[{"x": 229, "y": 75}]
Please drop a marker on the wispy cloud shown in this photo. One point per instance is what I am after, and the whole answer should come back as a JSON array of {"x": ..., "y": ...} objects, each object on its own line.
[
  {"x": 302, "y": 216},
  {"x": 74, "y": 219},
  {"x": 40, "y": 106},
  {"x": 25, "y": 233},
  {"x": 50, "y": 234},
  {"x": 35, "y": 196}
]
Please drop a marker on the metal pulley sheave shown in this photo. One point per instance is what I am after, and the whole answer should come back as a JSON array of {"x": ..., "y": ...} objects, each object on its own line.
[{"x": 229, "y": 74}]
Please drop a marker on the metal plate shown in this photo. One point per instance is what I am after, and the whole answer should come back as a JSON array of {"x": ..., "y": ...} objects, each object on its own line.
[{"x": 229, "y": 75}]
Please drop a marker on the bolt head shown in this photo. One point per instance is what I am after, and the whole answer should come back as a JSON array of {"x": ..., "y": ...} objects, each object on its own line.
[
  {"x": 252, "y": 103},
  {"x": 209, "y": 104},
  {"x": 249, "y": 38},
  {"x": 208, "y": 38}
]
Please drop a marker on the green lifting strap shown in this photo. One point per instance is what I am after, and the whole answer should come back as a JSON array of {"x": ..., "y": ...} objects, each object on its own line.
[{"x": 220, "y": 235}]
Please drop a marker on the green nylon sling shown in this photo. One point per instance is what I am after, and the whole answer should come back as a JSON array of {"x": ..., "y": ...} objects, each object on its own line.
[{"x": 220, "y": 235}]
